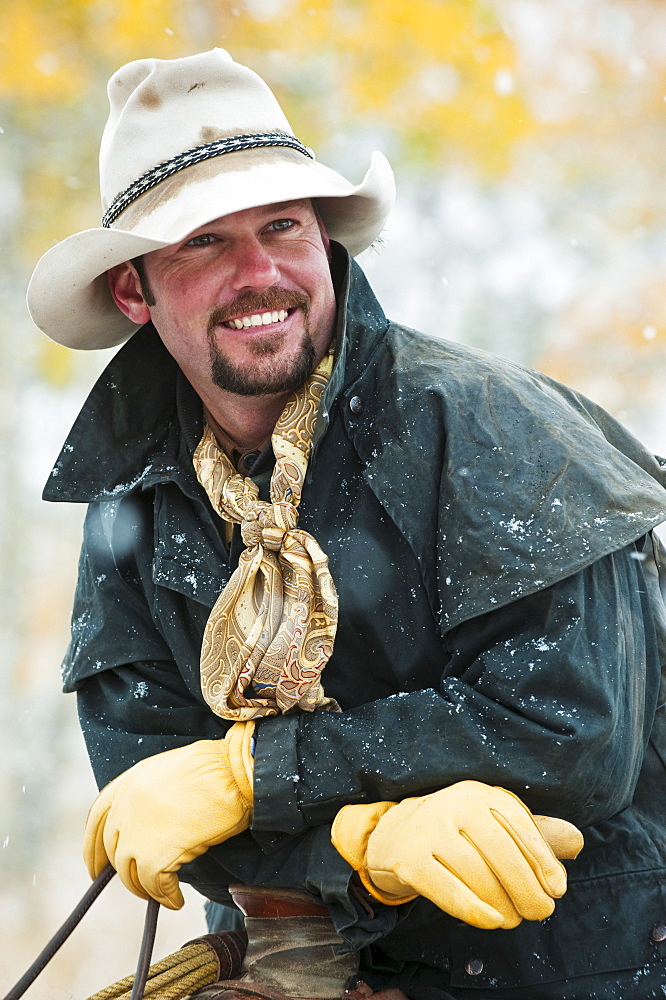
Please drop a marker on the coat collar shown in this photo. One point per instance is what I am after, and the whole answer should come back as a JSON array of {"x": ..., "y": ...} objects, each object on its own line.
[{"x": 128, "y": 437}]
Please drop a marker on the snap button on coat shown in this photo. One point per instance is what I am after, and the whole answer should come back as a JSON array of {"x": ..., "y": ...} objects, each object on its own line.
[
  {"x": 658, "y": 933},
  {"x": 473, "y": 966},
  {"x": 356, "y": 404}
]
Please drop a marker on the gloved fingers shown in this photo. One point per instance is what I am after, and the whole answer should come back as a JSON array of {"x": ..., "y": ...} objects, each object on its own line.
[
  {"x": 535, "y": 850},
  {"x": 514, "y": 866},
  {"x": 512, "y": 813},
  {"x": 472, "y": 869},
  {"x": 464, "y": 861},
  {"x": 449, "y": 893},
  {"x": 564, "y": 839},
  {"x": 144, "y": 880},
  {"x": 126, "y": 865},
  {"x": 165, "y": 888}
]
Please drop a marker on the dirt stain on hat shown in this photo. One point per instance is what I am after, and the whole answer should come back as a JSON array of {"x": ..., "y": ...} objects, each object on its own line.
[{"x": 149, "y": 98}]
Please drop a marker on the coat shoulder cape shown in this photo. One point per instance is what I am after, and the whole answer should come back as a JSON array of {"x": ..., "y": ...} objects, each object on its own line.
[{"x": 520, "y": 480}]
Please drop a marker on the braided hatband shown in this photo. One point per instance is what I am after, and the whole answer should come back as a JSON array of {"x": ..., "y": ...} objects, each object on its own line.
[{"x": 161, "y": 171}]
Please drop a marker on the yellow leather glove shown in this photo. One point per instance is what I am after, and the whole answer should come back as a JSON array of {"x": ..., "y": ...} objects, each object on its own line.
[
  {"x": 169, "y": 809},
  {"x": 475, "y": 850}
]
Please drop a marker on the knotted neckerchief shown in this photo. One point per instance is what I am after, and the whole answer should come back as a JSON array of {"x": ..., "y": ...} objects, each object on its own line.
[{"x": 272, "y": 628}]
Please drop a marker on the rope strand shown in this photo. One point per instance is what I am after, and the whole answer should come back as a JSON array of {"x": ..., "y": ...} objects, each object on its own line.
[{"x": 173, "y": 978}]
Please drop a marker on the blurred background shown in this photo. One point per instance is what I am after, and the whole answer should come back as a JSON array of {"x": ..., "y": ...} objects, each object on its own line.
[{"x": 527, "y": 137}]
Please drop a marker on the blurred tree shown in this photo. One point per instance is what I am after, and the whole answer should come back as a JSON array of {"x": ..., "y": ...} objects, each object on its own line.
[{"x": 433, "y": 77}]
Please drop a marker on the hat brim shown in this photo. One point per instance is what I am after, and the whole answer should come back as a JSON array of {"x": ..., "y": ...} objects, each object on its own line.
[{"x": 68, "y": 295}]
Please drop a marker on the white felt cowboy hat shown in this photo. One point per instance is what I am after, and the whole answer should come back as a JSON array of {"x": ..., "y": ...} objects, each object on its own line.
[{"x": 187, "y": 141}]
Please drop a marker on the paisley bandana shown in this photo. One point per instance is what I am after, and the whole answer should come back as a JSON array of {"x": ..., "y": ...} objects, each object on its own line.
[{"x": 271, "y": 631}]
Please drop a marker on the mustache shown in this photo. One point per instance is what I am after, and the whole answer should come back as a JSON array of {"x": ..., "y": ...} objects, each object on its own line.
[{"x": 271, "y": 300}]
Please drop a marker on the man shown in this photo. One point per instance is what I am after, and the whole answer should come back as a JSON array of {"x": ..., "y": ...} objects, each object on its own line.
[{"x": 443, "y": 593}]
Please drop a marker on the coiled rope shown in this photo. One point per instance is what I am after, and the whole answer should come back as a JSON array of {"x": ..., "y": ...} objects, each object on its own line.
[
  {"x": 197, "y": 964},
  {"x": 173, "y": 978}
]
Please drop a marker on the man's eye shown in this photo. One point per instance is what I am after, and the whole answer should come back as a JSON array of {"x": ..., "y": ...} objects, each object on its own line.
[
  {"x": 202, "y": 240},
  {"x": 282, "y": 224}
]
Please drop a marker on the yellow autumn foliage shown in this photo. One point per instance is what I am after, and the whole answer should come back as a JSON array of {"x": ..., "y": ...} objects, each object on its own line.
[
  {"x": 39, "y": 60},
  {"x": 51, "y": 50},
  {"x": 425, "y": 71}
]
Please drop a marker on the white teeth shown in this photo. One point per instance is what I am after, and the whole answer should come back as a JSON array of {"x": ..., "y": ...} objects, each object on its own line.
[{"x": 257, "y": 319}]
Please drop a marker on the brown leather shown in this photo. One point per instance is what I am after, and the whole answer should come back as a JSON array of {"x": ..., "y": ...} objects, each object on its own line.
[
  {"x": 291, "y": 953},
  {"x": 229, "y": 948},
  {"x": 256, "y": 902}
]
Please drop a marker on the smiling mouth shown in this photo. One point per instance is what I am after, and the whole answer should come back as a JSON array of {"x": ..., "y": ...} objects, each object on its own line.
[{"x": 258, "y": 319}]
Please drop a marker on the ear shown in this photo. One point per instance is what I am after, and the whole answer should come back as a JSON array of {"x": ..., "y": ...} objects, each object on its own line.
[{"x": 125, "y": 287}]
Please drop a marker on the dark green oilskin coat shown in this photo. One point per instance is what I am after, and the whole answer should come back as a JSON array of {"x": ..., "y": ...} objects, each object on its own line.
[{"x": 488, "y": 531}]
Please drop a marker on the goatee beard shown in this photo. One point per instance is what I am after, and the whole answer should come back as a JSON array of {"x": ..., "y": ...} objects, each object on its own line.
[{"x": 286, "y": 374}]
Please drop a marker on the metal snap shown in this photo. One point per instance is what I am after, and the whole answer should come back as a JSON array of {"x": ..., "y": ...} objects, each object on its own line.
[
  {"x": 658, "y": 933},
  {"x": 356, "y": 404},
  {"x": 473, "y": 966}
]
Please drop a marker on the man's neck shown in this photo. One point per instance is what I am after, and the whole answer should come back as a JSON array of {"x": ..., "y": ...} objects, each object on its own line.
[{"x": 244, "y": 423}]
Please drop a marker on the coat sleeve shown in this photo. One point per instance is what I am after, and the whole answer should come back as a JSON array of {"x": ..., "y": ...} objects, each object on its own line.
[{"x": 552, "y": 697}]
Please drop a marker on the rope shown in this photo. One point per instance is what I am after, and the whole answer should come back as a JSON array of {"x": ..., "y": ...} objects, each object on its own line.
[
  {"x": 173, "y": 978},
  {"x": 146, "y": 950},
  {"x": 62, "y": 934},
  {"x": 176, "y": 977}
]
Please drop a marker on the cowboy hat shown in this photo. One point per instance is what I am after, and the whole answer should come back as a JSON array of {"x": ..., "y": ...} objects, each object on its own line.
[{"x": 188, "y": 141}]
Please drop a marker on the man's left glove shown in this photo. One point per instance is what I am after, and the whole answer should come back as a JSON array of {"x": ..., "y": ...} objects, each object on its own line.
[
  {"x": 476, "y": 851},
  {"x": 169, "y": 809}
]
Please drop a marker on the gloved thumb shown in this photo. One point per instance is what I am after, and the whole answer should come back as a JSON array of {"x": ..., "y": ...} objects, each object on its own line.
[
  {"x": 564, "y": 839},
  {"x": 166, "y": 890}
]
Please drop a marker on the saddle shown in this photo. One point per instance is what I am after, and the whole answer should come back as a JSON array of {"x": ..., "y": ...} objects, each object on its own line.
[{"x": 291, "y": 953}]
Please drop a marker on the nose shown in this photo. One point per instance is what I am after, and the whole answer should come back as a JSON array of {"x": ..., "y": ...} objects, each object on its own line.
[{"x": 253, "y": 265}]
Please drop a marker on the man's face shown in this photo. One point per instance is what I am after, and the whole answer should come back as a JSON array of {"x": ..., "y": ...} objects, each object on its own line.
[{"x": 245, "y": 303}]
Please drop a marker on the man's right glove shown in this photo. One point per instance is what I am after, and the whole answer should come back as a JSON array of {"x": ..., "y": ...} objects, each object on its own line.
[
  {"x": 169, "y": 809},
  {"x": 476, "y": 851}
]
